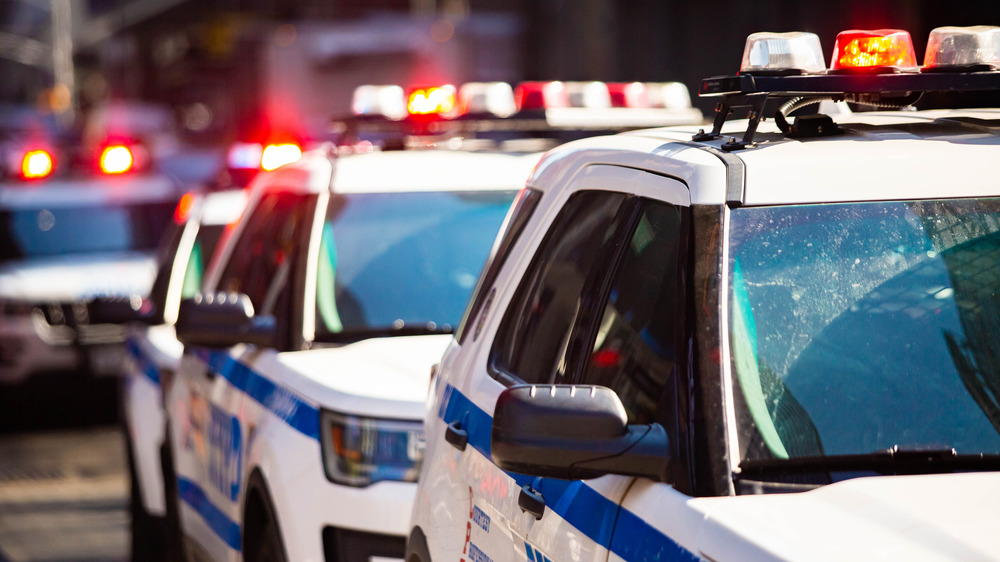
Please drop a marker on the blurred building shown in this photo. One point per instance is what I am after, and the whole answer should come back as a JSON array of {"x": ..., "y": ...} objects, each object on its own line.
[{"x": 232, "y": 66}]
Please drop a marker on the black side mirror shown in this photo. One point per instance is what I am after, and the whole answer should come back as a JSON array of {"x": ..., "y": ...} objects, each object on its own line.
[
  {"x": 223, "y": 320},
  {"x": 122, "y": 310},
  {"x": 574, "y": 432}
]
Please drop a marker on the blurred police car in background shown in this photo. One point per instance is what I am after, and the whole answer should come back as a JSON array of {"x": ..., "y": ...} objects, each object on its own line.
[
  {"x": 153, "y": 355},
  {"x": 81, "y": 214}
]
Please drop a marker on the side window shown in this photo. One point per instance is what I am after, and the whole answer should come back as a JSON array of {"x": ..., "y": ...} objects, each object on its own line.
[
  {"x": 520, "y": 211},
  {"x": 261, "y": 263},
  {"x": 535, "y": 332},
  {"x": 640, "y": 341},
  {"x": 204, "y": 244}
]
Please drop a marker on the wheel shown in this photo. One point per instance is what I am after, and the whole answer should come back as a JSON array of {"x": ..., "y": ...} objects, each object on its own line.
[{"x": 261, "y": 533}]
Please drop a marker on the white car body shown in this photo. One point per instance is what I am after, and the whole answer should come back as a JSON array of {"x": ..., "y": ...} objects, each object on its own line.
[
  {"x": 467, "y": 507},
  {"x": 245, "y": 421}
]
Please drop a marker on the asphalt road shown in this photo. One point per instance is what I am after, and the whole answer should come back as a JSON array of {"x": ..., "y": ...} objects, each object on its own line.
[{"x": 64, "y": 487}]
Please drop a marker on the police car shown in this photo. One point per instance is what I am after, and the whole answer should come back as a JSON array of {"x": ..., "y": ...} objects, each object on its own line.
[
  {"x": 295, "y": 417},
  {"x": 77, "y": 221},
  {"x": 766, "y": 341},
  {"x": 153, "y": 354}
]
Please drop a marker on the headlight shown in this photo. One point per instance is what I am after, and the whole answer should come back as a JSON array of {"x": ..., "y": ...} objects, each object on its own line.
[{"x": 359, "y": 451}]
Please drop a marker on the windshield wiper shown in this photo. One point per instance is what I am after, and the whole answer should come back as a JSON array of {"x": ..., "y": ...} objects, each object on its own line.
[
  {"x": 895, "y": 460},
  {"x": 350, "y": 336}
]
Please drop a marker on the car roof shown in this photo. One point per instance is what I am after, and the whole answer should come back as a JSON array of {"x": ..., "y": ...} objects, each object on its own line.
[
  {"x": 879, "y": 156},
  {"x": 401, "y": 171}
]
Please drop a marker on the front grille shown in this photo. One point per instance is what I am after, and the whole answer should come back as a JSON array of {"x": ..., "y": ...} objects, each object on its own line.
[{"x": 343, "y": 545}]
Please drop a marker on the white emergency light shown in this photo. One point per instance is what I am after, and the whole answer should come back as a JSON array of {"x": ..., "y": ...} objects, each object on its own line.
[
  {"x": 773, "y": 53},
  {"x": 961, "y": 47}
]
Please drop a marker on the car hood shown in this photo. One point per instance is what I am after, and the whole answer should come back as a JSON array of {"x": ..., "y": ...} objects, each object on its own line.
[
  {"x": 386, "y": 377},
  {"x": 926, "y": 517},
  {"x": 74, "y": 278}
]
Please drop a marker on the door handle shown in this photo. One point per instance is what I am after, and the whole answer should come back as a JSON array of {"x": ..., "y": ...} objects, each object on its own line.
[
  {"x": 457, "y": 436},
  {"x": 531, "y": 501}
]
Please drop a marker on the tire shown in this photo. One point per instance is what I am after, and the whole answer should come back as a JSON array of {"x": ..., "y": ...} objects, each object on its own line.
[{"x": 261, "y": 532}]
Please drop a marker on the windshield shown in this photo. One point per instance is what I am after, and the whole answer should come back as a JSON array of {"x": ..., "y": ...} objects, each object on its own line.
[
  {"x": 395, "y": 261},
  {"x": 862, "y": 327},
  {"x": 56, "y": 230}
]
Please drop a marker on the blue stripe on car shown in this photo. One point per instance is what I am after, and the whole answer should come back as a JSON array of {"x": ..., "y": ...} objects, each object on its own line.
[
  {"x": 283, "y": 403},
  {"x": 227, "y": 529},
  {"x": 579, "y": 505},
  {"x": 280, "y": 401}
]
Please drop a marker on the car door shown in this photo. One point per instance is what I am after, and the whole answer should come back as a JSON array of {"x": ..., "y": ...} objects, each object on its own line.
[
  {"x": 209, "y": 422},
  {"x": 557, "y": 326}
]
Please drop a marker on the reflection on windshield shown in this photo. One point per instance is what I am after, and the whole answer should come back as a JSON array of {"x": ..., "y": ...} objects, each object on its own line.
[
  {"x": 860, "y": 327},
  {"x": 395, "y": 260},
  {"x": 59, "y": 231}
]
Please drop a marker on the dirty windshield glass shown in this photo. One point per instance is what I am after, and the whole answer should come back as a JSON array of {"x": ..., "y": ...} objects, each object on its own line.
[
  {"x": 861, "y": 327},
  {"x": 402, "y": 261}
]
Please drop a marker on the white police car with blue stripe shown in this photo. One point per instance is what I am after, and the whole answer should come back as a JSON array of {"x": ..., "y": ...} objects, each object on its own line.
[
  {"x": 294, "y": 418},
  {"x": 691, "y": 346}
]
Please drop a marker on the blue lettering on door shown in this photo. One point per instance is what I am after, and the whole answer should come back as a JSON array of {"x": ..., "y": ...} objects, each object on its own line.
[{"x": 225, "y": 457}]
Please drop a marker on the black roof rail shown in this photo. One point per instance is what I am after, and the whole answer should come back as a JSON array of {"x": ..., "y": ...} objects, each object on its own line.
[{"x": 887, "y": 90}]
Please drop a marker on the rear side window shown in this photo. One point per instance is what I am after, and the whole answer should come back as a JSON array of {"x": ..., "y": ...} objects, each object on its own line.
[
  {"x": 534, "y": 335},
  {"x": 522, "y": 209}
]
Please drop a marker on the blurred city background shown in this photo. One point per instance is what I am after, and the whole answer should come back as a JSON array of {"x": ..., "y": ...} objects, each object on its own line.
[
  {"x": 202, "y": 74},
  {"x": 226, "y": 68}
]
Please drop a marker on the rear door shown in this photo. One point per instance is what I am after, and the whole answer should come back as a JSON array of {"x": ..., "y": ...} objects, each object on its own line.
[{"x": 576, "y": 311}]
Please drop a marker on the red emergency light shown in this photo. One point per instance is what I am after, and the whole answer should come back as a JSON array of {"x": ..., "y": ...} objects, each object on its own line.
[
  {"x": 435, "y": 100},
  {"x": 116, "y": 159},
  {"x": 36, "y": 164},
  {"x": 876, "y": 50}
]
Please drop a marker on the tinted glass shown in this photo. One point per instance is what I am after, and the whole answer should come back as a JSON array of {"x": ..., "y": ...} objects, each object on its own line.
[
  {"x": 262, "y": 261},
  {"x": 859, "y": 327},
  {"x": 517, "y": 217},
  {"x": 533, "y": 337},
  {"x": 639, "y": 344},
  {"x": 55, "y": 231},
  {"x": 395, "y": 260}
]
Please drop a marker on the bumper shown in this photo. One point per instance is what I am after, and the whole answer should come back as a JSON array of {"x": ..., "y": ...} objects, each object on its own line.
[{"x": 30, "y": 344}]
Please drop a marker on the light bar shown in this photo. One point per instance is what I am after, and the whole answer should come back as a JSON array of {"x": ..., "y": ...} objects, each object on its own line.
[
  {"x": 957, "y": 48},
  {"x": 494, "y": 98},
  {"x": 782, "y": 53},
  {"x": 116, "y": 159},
  {"x": 629, "y": 94},
  {"x": 873, "y": 51},
  {"x": 593, "y": 94},
  {"x": 669, "y": 95},
  {"x": 277, "y": 155},
  {"x": 541, "y": 95},
  {"x": 36, "y": 164},
  {"x": 435, "y": 100},
  {"x": 374, "y": 100},
  {"x": 244, "y": 155}
]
